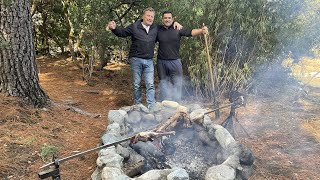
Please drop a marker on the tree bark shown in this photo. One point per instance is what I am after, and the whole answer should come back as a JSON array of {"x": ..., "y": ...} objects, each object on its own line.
[{"x": 18, "y": 68}]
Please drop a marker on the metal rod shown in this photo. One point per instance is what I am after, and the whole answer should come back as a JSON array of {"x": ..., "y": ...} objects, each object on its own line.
[
  {"x": 213, "y": 110},
  {"x": 244, "y": 130},
  {"x": 239, "y": 101},
  {"x": 86, "y": 152}
]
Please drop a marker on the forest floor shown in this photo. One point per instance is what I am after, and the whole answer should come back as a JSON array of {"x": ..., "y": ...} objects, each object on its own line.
[{"x": 282, "y": 118}]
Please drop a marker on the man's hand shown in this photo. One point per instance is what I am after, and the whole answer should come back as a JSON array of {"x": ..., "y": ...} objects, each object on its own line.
[
  {"x": 177, "y": 26},
  {"x": 197, "y": 32},
  {"x": 111, "y": 25},
  {"x": 204, "y": 30}
]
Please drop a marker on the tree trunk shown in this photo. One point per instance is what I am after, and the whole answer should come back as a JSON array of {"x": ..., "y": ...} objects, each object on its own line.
[{"x": 18, "y": 68}]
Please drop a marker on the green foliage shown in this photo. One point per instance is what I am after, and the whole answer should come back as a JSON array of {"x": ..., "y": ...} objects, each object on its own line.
[
  {"x": 47, "y": 151},
  {"x": 7, "y": 2},
  {"x": 300, "y": 27},
  {"x": 243, "y": 34},
  {"x": 49, "y": 24},
  {"x": 3, "y": 42}
]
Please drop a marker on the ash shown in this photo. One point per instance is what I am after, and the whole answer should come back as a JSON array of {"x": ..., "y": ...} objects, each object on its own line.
[{"x": 190, "y": 153}]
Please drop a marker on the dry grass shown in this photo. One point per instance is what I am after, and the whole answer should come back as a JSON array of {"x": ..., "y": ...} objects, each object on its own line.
[{"x": 308, "y": 72}]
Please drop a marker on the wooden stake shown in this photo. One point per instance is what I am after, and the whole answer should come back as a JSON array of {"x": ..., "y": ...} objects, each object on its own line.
[
  {"x": 217, "y": 113},
  {"x": 209, "y": 62}
]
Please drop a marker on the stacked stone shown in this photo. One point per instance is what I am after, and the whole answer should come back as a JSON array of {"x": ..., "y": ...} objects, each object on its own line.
[{"x": 236, "y": 163}]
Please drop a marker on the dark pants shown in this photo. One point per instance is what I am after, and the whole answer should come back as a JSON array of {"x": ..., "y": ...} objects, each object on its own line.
[{"x": 170, "y": 75}]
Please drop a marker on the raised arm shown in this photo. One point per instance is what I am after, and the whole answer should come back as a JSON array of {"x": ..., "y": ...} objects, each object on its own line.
[
  {"x": 120, "y": 32},
  {"x": 177, "y": 26},
  {"x": 197, "y": 32}
]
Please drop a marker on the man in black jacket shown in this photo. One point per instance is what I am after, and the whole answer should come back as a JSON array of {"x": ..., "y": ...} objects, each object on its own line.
[
  {"x": 169, "y": 65},
  {"x": 143, "y": 36}
]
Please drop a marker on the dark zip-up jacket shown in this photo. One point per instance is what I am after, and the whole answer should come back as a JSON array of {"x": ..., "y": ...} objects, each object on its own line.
[{"x": 143, "y": 43}]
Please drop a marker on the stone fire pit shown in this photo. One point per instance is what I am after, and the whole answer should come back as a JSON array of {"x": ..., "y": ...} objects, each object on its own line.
[{"x": 199, "y": 149}]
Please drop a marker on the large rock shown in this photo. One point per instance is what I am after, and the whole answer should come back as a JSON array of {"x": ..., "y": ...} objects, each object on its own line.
[
  {"x": 178, "y": 174},
  {"x": 141, "y": 107},
  {"x": 193, "y": 107},
  {"x": 109, "y": 159},
  {"x": 244, "y": 173},
  {"x": 134, "y": 117},
  {"x": 127, "y": 108},
  {"x": 96, "y": 175},
  {"x": 108, "y": 138},
  {"x": 170, "y": 104},
  {"x": 155, "y": 175},
  {"x": 224, "y": 137},
  {"x": 197, "y": 114},
  {"x": 246, "y": 156},
  {"x": 110, "y": 173},
  {"x": 220, "y": 172},
  {"x": 134, "y": 165},
  {"x": 118, "y": 116},
  {"x": 207, "y": 121},
  {"x": 122, "y": 151},
  {"x": 149, "y": 118},
  {"x": 114, "y": 128}
]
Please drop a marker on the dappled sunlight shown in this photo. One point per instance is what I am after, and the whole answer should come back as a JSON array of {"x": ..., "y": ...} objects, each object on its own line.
[
  {"x": 307, "y": 71},
  {"x": 306, "y": 104},
  {"x": 46, "y": 76},
  {"x": 63, "y": 81},
  {"x": 80, "y": 83},
  {"x": 116, "y": 66},
  {"x": 313, "y": 127}
]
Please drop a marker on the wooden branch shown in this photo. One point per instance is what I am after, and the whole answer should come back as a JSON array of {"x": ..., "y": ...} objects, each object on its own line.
[
  {"x": 172, "y": 122},
  {"x": 77, "y": 110}
]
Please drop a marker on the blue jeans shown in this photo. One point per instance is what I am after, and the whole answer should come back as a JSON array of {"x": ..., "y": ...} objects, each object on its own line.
[{"x": 144, "y": 67}]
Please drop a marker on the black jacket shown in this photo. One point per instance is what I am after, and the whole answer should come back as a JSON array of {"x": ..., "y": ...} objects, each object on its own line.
[{"x": 143, "y": 43}]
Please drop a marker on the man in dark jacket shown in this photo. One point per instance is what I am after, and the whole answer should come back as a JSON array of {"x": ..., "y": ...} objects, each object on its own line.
[
  {"x": 143, "y": 36},
  {"x": 169, "y": 65}
]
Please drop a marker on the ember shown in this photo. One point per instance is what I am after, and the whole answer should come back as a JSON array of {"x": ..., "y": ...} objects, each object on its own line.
[{"x": 177, "y": 145}]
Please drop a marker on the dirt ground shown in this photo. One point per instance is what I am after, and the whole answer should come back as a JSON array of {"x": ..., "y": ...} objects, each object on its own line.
[{"x": 281, "y": 117}]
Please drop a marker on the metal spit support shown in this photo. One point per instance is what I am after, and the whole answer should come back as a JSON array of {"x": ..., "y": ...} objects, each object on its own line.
[
  {"x": 239, "y": 102},
  {"x": 52, "y": 172}
]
